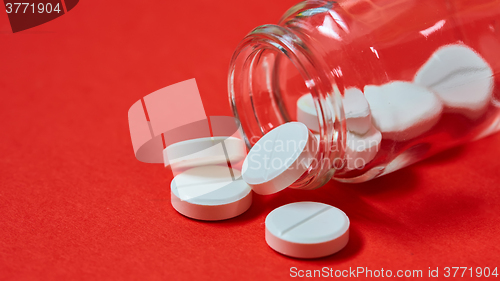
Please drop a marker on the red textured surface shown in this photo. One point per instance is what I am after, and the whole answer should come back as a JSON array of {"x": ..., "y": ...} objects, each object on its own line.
[{"x": 76, "y": 204}]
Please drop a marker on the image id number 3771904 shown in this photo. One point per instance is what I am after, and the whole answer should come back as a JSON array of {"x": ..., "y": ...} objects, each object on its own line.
[
  {"x": 40, "y": 8},
  {"x": 456, "y": 271}
]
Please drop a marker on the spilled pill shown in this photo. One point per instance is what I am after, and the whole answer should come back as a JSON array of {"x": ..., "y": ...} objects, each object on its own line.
[
  {"x": 210, "y": 193},
  {"x": 307, "y": 230},
  {"x": 204, "y": 151},
  {"x": 460, "y": 77},
  {"x": 402, "y": 110},
  {"x": 279, "y": 158}
]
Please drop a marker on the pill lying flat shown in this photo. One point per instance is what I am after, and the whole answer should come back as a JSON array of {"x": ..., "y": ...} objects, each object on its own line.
[
  {"x": 306, "y": 112},
  {"x": 357, "y": 111},
  {"x": 460, "y": 77},
  {"x": 210, "y": 193},
  {"x": 204, "y": 151},
  {"x": 361, "y": 149},
  {"x": 307, "y": 230},
  {"x": 279, "y": 158},
  {"x": 403, "y": 110}
]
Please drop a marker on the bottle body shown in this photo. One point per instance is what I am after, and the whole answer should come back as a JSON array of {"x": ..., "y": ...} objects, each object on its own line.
[{"x": 428, "y": 70}]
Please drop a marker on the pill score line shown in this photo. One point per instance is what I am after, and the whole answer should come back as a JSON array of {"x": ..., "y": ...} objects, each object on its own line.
[{"x": 326, "y": 208}]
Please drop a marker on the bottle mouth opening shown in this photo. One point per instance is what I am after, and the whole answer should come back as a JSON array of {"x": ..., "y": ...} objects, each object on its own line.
[{"x": 270, "y": 70}]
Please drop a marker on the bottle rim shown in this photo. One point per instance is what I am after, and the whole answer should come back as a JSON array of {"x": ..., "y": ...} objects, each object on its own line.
[{"x": 320, "y": 83}]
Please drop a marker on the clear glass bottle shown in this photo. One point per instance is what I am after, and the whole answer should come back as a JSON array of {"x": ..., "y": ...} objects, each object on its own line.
[{"x": 326, "y": 47}]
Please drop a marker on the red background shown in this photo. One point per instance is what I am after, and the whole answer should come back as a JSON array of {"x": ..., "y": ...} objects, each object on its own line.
[{"x": 76, "y": 204}]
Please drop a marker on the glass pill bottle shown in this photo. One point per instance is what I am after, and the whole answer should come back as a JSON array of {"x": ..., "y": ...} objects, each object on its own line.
[{"x": 389, "y": 82}]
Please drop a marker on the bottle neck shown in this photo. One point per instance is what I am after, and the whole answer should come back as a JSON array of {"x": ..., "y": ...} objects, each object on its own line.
[{"x": 263, "y": 93}]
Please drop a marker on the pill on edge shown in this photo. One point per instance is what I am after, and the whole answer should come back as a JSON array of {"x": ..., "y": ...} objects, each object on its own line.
[
  {"x": 306, "y": 112},
  {"x": 357, "y": 111},
  {"x": 279, "y": 158},
  {"x": 362, "y": 147}
]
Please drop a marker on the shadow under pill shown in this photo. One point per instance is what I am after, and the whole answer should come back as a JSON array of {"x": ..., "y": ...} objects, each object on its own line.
[{"x": 350, "y": 251}]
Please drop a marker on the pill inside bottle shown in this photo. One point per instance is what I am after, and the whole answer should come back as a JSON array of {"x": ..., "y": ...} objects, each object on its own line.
[{"x": 389, "y": 86}]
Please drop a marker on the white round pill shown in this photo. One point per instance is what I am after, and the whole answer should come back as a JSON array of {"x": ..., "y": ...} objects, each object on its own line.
[
  {"x": 307, "y": 230},
  {"x": 361, "y": 149},
  {"x": 279, "y": 158},
  {"x": 306, "y": 112},
  {"x": 402, "y": 110},
  {"x": 204, "y": 151},
  {"x": 460, "y": 77},
  {"x": 357, "y": 111},
  {"x": 210, "y": 193}
]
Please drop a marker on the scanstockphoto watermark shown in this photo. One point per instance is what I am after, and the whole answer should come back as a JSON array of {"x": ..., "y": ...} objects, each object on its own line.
[
  {"x": 355, "y": 272},
  {"x": 354, "y": 159},
  {"x": 366, "y": 272}
]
